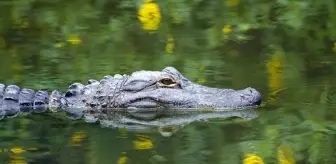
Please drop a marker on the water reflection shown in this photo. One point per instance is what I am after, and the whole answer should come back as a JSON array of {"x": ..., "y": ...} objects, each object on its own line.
[
  {"x": 167, "y": 122},
  {"x": 275, "y": 78}
]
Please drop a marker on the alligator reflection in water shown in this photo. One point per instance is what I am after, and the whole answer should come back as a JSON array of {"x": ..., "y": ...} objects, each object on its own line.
[
  {"x": 167, "y": 90},
  {"x": 166, "y": 122}
]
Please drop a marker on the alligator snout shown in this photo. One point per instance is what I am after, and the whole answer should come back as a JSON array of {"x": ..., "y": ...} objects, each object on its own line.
[{"x": 251, "y": 95}]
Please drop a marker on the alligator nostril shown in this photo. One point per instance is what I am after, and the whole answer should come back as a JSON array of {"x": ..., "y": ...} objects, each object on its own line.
[
  {"x": 250, "y": 90},
  {"x": 258, "y": 102}
]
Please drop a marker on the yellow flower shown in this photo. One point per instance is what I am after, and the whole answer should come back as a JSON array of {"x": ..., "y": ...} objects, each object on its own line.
[
  {"x": 149, "y": 15},
  {"x": 227, "y": 29},
  {"x": 74, "y": 39},
  {"x": 252, "y": 159}
]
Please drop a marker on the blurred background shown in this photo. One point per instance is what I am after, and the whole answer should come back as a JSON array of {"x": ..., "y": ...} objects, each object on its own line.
[{"x": 284, "y": 48}]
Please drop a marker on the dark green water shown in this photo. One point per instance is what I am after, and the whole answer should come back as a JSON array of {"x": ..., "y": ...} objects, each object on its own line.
[{"x": 275, "y": 47}]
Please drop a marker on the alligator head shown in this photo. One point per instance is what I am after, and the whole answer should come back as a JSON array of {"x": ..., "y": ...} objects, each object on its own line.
[{"x": 169, "y": 88}]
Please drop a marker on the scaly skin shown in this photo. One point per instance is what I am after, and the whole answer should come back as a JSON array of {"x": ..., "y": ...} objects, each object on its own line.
[{"x": 142, "y": 90}]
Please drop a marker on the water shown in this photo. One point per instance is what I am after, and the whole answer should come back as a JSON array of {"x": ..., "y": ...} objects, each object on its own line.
[{"x": 288, "y": 57}]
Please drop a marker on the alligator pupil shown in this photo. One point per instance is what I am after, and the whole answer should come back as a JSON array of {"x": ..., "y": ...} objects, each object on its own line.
[{"x": 167, "y": 81}]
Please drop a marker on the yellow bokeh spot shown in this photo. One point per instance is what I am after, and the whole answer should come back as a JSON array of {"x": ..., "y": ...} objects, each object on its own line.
[
  {"x": 241, "y": 37},
  {"x": 170, "y": 38},
  {"x": 74, "y": 39},
  {"x": 142, "y": 143},
  {"x": 285, "y": 155},
  {"x": 169, "y": 48},
  {"x": 59, "y": 45},
  {"x": 16, "y": 67},
  {"x": 149, "y": 15},
  {"x": 275, "y": 78},
  {"x": 24, "y": 24},
  {"x": 176, "y": 18},
  {"x": 17, "y": 150},
  {"x": 232, "y": 3},
  {"x": 123, "y": 133},
  {"x": 201, "y": 80},
  {"x": 227, "y": 29},
  {"x": 17, "y": 161},
  {"x": 252, "y": 159},
  {"x": 78, "y": 137},
  {"x": 123, "y": 159},
  {"x": 334, "y": 47},
  {"x": 170, "y": 44}
]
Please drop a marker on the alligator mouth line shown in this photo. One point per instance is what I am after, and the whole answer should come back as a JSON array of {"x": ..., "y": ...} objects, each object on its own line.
[{"x": 143, "y": 103}]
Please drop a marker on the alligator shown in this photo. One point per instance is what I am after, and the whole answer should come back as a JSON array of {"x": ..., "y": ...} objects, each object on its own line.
[{"x": 137, "y": 93}]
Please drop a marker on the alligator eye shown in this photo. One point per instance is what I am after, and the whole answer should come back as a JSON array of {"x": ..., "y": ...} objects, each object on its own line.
[{"x": 167, "y": 82}]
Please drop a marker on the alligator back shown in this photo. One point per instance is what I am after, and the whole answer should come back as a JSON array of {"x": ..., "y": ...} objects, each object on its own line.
[{"x": 14, "y": 100}]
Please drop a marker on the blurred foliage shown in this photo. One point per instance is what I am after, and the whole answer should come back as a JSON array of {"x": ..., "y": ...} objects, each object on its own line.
[
  {"x": 44, "y": 39},
  {"x": 284, "y": 48}
]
